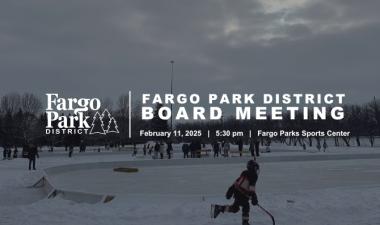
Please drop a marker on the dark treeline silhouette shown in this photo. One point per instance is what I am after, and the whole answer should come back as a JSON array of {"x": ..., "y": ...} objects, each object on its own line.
[
  {"x": 19, "y": 119},
  {"x": 363, "y": 121},
  {"x": 23, "y": 120}
]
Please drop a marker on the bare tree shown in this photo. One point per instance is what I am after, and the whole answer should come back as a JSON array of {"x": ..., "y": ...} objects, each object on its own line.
[
  {"x": 10, "y": 103},
  {"x": 30, "y": 104},
  {"x": 123, "y": 105},
  {"x": 30, "y": 108},
  {"x": 107, "y": 104}
]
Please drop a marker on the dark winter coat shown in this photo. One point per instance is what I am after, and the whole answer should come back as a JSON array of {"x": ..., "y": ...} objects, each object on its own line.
[
  {"x": 240, "y": 145},
  {"x": 185, "y": 148},
  {"x": 193, "y": 146},
  {"x": 157, "y": 147},
  {"x": 169, "y": 147},
  {"x": 246, "y": 183},
  {"x": 216, "y": 147},
  {"x": 32, "y": 152}
]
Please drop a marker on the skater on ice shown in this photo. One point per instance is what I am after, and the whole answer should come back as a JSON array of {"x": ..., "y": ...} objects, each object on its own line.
[
  {"x": 242, "y": 190},
  {"x": 324, "y": 145},
  {"x": 226, "y": 148},
  {"x": 240, "y": 146},
  {"x": 156, "y": 150},
  {"x": 162, "y": 149},
  {"x": 169, "y": 149},
  {"x": 32, "y": 154},
  {"x": 216, "y": 148},
  {"x": 185, "y": 150}
]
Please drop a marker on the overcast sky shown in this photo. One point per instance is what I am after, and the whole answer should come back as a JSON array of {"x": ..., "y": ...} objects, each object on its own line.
[{"x": 104, "y": 48}]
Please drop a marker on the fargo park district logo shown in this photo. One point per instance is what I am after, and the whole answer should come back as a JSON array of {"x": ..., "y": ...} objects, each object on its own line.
[{"x": 68, "y": 116}]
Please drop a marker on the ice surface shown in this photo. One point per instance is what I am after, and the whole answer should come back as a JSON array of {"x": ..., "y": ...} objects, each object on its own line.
[{"x": 322, "y": 192}]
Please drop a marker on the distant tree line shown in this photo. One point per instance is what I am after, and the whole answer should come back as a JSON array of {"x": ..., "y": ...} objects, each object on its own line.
[
  {"x": 363, "y": 121},
  {"x": 23, "y": 120}
]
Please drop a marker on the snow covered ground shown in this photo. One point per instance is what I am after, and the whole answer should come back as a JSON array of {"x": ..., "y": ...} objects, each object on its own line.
[{"x": 298, "y": 187}]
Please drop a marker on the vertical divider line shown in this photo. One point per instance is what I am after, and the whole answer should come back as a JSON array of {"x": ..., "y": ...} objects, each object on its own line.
[{"x": 130, "y": 114}]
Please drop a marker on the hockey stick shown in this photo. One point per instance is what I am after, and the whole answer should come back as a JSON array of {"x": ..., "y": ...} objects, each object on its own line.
[{"x": 268, "y": 213}]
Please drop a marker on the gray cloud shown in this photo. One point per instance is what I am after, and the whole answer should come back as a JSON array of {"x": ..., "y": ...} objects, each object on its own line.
[{"x": 104, "y": 48}]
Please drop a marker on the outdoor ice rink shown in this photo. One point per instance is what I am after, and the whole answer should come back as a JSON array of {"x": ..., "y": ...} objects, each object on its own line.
[
  {"x": 337, "y": 187},
  {"x": 211, "y": 177}
]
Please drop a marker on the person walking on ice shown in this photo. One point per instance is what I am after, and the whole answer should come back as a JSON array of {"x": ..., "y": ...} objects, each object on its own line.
[
  {"x": 226, "y": 148},
  {"x": 243, "y": 190},
  {"x": 32, "y": 154}
]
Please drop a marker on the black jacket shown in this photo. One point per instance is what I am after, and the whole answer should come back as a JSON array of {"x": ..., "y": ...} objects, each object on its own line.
[
  {"x": 246, "y": 183},
  {"x": 33, "y": 152}
]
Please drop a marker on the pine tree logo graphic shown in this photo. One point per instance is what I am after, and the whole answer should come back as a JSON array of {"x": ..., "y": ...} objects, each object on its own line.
[
  {"x": 106, "y": 118},
  {"x": 103, "y": 123},
  {"x": 97, "y": 125},
  {"x": 112, "y": 126}
]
